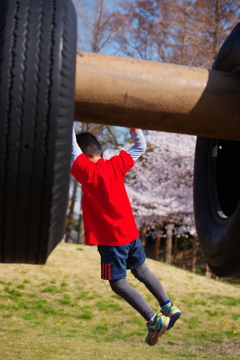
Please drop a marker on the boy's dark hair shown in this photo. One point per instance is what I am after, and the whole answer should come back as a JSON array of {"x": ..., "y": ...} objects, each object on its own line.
[{"x": 89, "y": 144}]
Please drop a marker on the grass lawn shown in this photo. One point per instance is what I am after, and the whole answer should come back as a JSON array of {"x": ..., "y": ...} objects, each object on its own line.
[{"x": 63, "y": 310}]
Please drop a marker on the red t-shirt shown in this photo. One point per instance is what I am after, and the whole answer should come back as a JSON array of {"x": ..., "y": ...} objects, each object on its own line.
[{"x": 107, "y": 213}]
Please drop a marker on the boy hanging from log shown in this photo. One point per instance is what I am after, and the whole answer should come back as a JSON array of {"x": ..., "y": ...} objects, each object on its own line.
[{"x": 109, "y": 223}]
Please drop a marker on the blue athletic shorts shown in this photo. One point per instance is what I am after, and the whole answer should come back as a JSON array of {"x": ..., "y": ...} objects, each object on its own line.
[{"x": 115, "y": 260}]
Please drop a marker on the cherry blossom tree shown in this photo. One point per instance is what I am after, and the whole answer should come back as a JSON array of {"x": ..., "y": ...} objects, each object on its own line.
[{"x": 160, "y": 185}]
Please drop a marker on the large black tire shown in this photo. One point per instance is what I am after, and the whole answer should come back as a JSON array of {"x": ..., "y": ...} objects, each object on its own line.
[
  {"x": 217, "y": 185},
  {"x": 37, "y": 78}
]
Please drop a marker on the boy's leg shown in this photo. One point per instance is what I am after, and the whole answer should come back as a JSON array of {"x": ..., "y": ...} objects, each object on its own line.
[
  {"x": 150, "y": 280},
  {"x": 156, "y": 324},
  {"x": 122, "y": 288},
  {"x": 113, "y": 268},
  {"x": 136, "y": 263}
]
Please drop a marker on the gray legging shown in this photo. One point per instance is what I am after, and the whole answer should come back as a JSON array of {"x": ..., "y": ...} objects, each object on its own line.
[{"x": 122, "y": 288}]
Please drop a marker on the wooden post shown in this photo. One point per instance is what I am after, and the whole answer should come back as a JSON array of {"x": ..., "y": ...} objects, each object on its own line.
[
  {"x": 169, "y": 243},
  {"x": 194, "y": 254},
  {"x": 207, "y": 271},
  {"x": 153, "y": 95}
]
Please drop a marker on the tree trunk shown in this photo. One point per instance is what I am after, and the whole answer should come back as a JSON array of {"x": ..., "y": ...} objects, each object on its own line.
[
  {"x": 194, "y": 254},
  {"x": 157, "y": 247},
  {"x": 184, "y": 254},
  {"x": 169, "y": 243},
  {"x": 175, "y": 241},
  {"x": 97, "y": 29},
  {"x": 71, "y": 212},
  {"x": 143, "y": 235},
  {"x": 217, "y": 29},
  {"x": 81, "y": 235}
]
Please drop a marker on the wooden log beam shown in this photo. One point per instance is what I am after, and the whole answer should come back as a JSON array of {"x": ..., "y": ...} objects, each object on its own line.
[{"x": 157, "y": 96}]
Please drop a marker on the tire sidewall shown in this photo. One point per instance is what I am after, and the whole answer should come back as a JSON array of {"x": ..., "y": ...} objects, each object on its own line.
[{"x": 218, "y": 235}]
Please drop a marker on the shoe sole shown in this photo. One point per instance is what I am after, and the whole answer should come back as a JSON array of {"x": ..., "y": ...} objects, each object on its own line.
[
  {"x": 159, "y": 334},
  {"x": 173, "y": 319}
]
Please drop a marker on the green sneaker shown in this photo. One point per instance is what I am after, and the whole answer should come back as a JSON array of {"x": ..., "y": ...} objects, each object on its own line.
[
  {"x": 173, "y": 313},
  {"x": 156, "y": 330}
]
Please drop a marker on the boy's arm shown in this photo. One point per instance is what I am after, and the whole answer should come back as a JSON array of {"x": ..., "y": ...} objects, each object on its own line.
[
  {"x": 76, "y": 151},
  {"x": 139, "y": 144}
]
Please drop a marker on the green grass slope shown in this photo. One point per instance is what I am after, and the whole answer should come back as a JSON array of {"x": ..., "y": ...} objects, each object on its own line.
[{"x": 63, "y": 310}]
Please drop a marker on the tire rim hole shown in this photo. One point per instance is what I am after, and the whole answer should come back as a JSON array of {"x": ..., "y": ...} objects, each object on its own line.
[{"x": 226, "y": 176}]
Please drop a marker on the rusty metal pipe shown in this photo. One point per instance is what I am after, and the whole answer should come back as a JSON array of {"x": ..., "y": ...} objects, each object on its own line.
[{"x": 158, "y": 96}]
